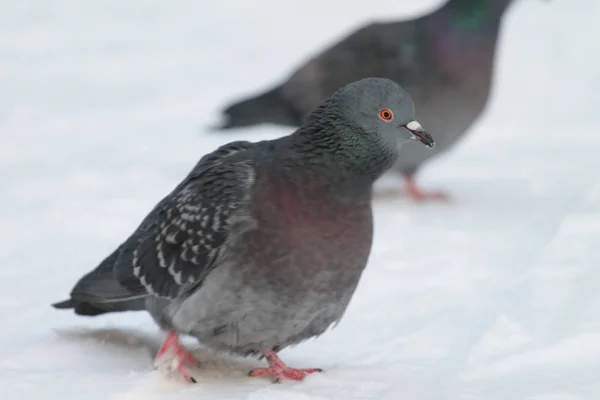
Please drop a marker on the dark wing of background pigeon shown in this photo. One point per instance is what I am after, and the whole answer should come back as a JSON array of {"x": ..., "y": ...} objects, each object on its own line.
[
  {"x": 179, "y": 242},
  {"x": 378, "y": 49}
]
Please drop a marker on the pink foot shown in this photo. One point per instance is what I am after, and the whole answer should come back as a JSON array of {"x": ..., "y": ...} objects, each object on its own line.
[
  {"x": 414, "y": 192},
  {"x": 278, "y": 370},
  {"x": 173, "y": 356}
]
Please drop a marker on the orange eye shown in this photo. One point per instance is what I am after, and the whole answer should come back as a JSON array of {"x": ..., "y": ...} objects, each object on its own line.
[{"x": 386, "y": 114}]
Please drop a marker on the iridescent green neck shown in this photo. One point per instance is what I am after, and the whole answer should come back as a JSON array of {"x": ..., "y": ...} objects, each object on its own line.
[{"x": 469, "y": 15}]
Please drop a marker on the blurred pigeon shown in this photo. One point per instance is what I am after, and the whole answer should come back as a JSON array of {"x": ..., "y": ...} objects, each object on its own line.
[
  {"x": 444, "y": 60},
  {"x": 262, "y": 245}
]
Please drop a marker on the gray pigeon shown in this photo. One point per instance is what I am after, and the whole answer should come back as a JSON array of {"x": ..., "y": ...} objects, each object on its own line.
[
  {"x": 262, "y": 245},
  {"x": 444, "y": 60}
]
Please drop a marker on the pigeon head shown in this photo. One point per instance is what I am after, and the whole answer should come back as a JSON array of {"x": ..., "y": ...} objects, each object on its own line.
[
  {"x": 382, "y": 110},
  {"x": 359, "y": 130}
]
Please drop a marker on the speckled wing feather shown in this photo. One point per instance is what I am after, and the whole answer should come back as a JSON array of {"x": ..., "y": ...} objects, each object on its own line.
[{"x": 181, "y": 240}]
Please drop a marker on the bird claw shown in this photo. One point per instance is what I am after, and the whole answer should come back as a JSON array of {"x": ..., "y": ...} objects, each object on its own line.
[
  {"x": 414, "y": 192},
  {"x": 172, "y": 356},
  {"x": 279, "y": 371},
  {"x": 284, "y": 372},
  {"x": 420, "y": 195}
]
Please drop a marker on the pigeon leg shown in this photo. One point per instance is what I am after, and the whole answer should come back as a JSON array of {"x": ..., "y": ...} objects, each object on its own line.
[
  {"x": 278, "y": 370},
  {"x": 175, "y": 356},
  {"x": 413, "y": 191}
]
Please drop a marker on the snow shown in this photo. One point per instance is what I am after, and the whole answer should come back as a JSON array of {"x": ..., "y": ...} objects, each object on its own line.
[{"x": 104, "y": 108}]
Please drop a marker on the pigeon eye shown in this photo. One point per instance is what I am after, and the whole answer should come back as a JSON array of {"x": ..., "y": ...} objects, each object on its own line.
[{"x": 386, "y": 114}]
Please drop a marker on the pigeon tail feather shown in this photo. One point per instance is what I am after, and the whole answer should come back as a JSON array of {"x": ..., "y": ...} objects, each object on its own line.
[
  {"x": 64, "y": 304},
  {"x": 99, "y": 292},
  {"x": 268, "y": 107}
]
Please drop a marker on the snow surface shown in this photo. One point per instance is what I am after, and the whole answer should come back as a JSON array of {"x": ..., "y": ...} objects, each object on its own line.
[{"x": 103, "y": 109}]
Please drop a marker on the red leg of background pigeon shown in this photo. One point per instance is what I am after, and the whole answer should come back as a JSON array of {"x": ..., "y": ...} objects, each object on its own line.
[
  {"x": 414, "y": 192},
  {"x": 178, "y": 354},
  {"x": 278, "y": 370}
]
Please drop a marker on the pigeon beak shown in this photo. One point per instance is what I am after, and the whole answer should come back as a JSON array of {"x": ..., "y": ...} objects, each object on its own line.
[{"x": 418, "y": 133}]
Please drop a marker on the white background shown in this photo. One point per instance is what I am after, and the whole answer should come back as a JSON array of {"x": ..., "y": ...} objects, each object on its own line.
[{"x": 493, "y": 296}]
